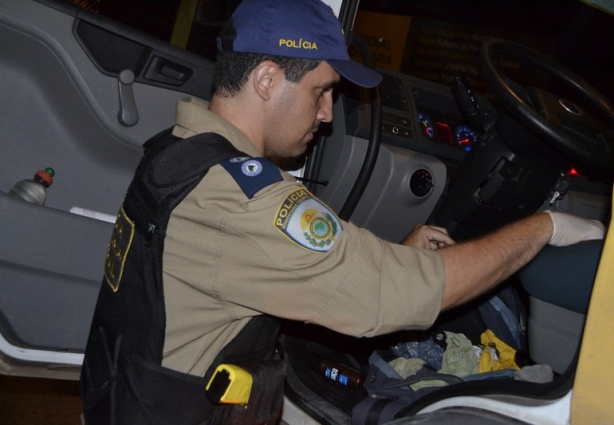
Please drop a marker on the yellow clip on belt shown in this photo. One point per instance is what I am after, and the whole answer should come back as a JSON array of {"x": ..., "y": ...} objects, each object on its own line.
[{"x": 230, "y": 384}]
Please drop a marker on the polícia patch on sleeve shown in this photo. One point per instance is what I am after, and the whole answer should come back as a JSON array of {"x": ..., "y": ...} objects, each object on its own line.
[{"x": 307, "y": 221}]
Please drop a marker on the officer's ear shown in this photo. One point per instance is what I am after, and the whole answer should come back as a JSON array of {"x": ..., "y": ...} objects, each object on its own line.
[{"x": 266, "y": 78}]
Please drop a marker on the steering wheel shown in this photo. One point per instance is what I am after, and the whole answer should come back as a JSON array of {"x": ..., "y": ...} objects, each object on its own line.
[{"x": 586, "y": 139}]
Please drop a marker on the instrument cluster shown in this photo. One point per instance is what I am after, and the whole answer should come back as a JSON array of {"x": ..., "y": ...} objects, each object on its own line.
[{"x": 446, "y": 130}]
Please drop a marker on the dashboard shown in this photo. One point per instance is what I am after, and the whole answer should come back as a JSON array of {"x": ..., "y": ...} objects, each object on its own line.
[
  {"x": 424, "y": 138},
  {"x": 428, "y": 156},
  {"x": 419, "y": 115}
]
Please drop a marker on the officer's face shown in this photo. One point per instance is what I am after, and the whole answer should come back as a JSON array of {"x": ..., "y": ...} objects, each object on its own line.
[{"x": 297, "y": 110}]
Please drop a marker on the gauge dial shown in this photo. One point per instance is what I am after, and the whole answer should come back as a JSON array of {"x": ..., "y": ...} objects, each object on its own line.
[
  {"x": 466, "y": 137},
  {"x": 426, "y": 126}
]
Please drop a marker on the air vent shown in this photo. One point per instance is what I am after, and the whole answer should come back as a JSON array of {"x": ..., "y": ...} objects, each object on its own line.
[{"x": 393, "y": 93}]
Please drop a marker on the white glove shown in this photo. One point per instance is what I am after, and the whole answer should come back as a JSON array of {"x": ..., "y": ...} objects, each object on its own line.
[{"x": 570, "y": 229}]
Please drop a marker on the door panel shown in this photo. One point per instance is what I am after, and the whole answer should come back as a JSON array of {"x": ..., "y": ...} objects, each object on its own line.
[{"x": 60, "y": 99}]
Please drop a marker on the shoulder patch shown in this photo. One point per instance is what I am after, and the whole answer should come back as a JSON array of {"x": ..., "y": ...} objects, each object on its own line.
[
  {"x": 252, "y": 174},
  {"x": 307, "y": 221}
]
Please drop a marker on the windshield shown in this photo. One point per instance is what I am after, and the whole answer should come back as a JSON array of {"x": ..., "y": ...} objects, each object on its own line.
[{"x": 438, "y": 41}]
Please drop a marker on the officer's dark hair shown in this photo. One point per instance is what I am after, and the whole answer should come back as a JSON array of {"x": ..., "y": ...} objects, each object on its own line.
[{"x": 233, "y": 68}]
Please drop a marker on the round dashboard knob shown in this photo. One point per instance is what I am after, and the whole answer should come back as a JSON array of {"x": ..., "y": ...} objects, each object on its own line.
[{"x": 421, "y": 183}]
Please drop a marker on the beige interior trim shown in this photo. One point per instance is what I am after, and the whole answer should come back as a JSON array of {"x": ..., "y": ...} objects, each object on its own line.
[{"x": 594, "y": 383}]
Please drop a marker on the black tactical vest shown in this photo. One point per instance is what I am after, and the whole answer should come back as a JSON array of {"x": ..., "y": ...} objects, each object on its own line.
[{"x": 123, "y": 381}]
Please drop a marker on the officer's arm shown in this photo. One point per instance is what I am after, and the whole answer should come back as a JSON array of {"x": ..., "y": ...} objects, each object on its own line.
[{"x": 472, "y": 268}]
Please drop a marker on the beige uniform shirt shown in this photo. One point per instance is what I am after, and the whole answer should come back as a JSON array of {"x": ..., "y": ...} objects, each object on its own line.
[{"x": 226, "y": 260}]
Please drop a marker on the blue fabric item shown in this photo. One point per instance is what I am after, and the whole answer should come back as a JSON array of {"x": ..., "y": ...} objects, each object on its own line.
[
  {"x": 382, "y": 366},
  {"x": 500, "y": 319},
  {"x": 497, "y": 374},
  {"x": 382, "y": 381},
  {"x": 564, "y": 276},
  {"x": 252, "y": 174},
  {"x": 306, "y": 29},
  {"x": 428, "y": 350},
  {"x": 375, "y": 411}
]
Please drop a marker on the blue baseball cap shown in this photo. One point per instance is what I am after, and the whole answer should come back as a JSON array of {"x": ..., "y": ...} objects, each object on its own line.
[{"x": 306, "y": 29}]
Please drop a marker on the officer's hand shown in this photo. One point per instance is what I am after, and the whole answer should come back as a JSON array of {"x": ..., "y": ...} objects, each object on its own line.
[
  {"x": 428, "y": 237},
  {"x": 569, "y": 229}
]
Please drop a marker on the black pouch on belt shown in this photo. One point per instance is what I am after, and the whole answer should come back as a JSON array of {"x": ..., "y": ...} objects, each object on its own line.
[{"x": 266, "y": 397}]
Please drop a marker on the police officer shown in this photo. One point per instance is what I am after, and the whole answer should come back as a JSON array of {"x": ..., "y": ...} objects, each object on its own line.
[{"x": 247, "y": 240}]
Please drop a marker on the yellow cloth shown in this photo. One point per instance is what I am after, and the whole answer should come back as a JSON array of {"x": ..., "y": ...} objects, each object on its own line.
[{"x": 496, "y": 354}]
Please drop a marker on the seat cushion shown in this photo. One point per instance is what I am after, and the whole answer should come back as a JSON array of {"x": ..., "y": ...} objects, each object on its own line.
[{"x": 564, "y": 276}]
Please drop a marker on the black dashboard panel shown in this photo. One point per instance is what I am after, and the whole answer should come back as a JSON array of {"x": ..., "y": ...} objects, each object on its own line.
[{"x": 417, "y": 115}]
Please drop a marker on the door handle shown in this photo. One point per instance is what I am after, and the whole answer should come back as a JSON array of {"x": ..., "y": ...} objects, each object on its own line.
[{"x": 128, "y": 115}]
